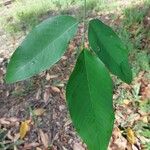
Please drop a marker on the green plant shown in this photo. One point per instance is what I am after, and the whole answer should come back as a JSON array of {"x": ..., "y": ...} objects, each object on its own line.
[{"x": 89, "y": 90}]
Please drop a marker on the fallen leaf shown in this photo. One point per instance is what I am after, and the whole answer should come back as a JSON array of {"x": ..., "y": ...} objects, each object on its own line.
[
  {"x": 64, "y": 148},
  {"x": 126, "y": 101},
  {"x": 46, "y": 95},
  {"x": 130, "y": 136},
  {"x": 39, "y": 111},
  {"x": 117, "y": 142},
  {"x": 145, "y": 119},
  {"x": 13, "y": 119},
  {"x": 62, "y": 107},
  {"x": 68, "y": 122},
  {"x": 60, "y": 85},
  {"x": 55, "y": 89},
  {"x": 24, "y": 128},
  {"x": 53, "y": 76},
  {"x": 129, "y": 146},
  {"x": 37, "y": 148},
  {"x": 146, "y": 92},
  {"x": 38, "y": 94},
  {"x": 62, "y": 95},
  {"x": 44, "y": 138},
  {"x": 9, "y": 135},
  {"x": 48, "y": 77},
  {"x": 13, "y": 137},
  {"x": 16, "y": 137},
  {"x": 116, "y": 133},
  {"x": 4, "y": 121},
  {"x": 78, "y": 146},
  {"x": 64, "y": 57},
  {"x": 31, "y": 145},
  {"x": 15, "y": 147}
]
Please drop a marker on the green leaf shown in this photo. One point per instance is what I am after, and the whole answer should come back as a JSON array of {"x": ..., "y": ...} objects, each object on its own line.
[
  {"x": 89, "y": 97},
  {"x": 110, "y": 49},
  {"x": 42, "y": 48}
]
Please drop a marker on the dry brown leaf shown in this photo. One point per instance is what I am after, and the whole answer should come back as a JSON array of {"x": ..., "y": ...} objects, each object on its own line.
[
  {"x": 60, "y": 85},
  {"x": 129, "y": 146},
  {"x": 9, "y": 135},
  {"x": 62, "y": 107},
  {"x": 78, "y": 146},
  {"x": 15, "y": 147},
  {"x": 31, "y": 145},
  {"x": 48, "y": 77},
  {"x": 119, "y": 144},
  {"x": 145, "y": 119},
  {"x": 68, "y": 122},
  {"x": 62, "y": 95},
  {"x": 16, "y": 137},
  {"x": 131, "y": 136},
  {"x": 37, "y": 148},
  {"x": 13, "y": 119},
  {"x": 46, "y": 95},
  {"x": 39, "y": 111},
  {"x": 126, "y": 101},
  {"x": 64, "y": 57},
  {"x": 44, "y": 138},
  {"x": 55, "y": 89},
  {"x": 38, "y": 94},
  {"x": 53, "y": 76},
  {"x": 116, "y": 133},
  {"x": 4, "y": 121},
  {"x": 146, "y": 92},
  {"x": 24, "y": 128}
]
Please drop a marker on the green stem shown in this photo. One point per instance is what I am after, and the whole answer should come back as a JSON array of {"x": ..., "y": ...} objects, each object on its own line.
[{"x": 84, "y": 24}]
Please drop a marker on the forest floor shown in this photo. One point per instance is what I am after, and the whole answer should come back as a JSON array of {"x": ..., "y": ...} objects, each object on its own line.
[{"x": 37, "y": 106}]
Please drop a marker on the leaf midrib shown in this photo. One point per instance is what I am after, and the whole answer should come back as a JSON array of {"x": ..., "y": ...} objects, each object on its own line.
[{"x": 88, "y": 86}]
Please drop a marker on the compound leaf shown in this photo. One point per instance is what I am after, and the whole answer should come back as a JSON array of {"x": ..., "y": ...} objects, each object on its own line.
[
  {"x": 110, "y": 49},
  {"x": 42, "y": 48},
  {"x": 89, "y": 97}
]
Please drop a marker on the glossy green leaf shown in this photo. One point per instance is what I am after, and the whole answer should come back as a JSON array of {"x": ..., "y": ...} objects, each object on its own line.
[
  {"x": 89, "y": 97},
  {"x": 110, "y": 49},
  {"x": 42, "y": 48}
]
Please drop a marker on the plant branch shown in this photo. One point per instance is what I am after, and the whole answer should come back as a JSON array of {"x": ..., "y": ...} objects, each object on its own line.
[{"x": 84, "y": 24}]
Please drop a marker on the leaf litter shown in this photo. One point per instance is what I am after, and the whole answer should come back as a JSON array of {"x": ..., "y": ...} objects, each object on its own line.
[{"x": 49, "y": 126}]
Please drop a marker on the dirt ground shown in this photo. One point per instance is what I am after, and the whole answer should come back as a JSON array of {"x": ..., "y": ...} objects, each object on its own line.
[{"x": 40, "y": 101}]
